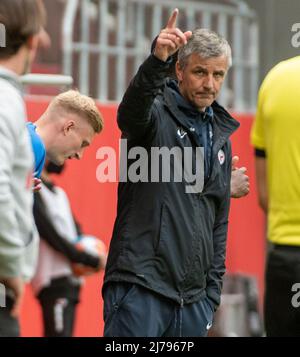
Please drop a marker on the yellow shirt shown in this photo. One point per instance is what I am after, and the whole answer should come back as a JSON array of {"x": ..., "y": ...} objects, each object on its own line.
[{"x": 277, "y": 131}]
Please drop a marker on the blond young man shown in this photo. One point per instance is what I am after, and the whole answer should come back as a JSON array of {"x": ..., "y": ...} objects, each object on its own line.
[{"x": 67, "y": 127}]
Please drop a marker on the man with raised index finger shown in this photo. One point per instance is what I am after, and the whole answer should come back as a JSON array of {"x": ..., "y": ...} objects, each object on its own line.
[{"x": 166, "y": 259}]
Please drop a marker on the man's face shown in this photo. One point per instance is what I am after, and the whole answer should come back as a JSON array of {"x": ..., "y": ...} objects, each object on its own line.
[
  {"x": 75, "y": 135},
  {"x": 201, "y": 79}
]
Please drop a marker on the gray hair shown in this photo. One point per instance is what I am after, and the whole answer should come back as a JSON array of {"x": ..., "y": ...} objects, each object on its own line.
[{"x": 206, "y": 44}]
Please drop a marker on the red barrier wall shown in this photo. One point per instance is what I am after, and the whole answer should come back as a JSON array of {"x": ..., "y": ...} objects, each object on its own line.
[
  {"x": 94, "y": 204},
  {"x": 246, "y": 238}
]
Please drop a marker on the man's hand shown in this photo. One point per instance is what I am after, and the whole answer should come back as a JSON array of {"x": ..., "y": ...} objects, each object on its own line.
[
  {"x": 170, "y": 39},
  {"x": 15, "y": 284},
  {"x": 239, "y": 184},
  {"x": 36, "y": 184}
]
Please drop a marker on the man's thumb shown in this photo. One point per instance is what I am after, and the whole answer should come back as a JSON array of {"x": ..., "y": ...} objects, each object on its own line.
[
  {"x": 234, "y": 162},
  {"x": 188, "y": 35}
]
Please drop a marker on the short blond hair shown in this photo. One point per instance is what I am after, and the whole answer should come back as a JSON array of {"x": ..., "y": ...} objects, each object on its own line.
[{"x": 74, "y": 102}]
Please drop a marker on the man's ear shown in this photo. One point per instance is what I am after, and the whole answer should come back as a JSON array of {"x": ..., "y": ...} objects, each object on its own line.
[
  {"x": 44, "y": 39},
  {"x": 179, "y": 72},
  {"x": 68, "y": 126},
  {"x": 33, "y": 42}
]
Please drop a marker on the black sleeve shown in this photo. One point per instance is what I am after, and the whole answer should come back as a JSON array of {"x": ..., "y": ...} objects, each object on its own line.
[
  {"x": 260, "y": 153},
  {"x": 135, "y": 117},
  {"x": 217, "y": 269},
  {"x": 48, "y": 232}
]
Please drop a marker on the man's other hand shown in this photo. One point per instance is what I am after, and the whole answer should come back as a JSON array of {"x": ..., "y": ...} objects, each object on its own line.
[{"x": 239, "y": 185}]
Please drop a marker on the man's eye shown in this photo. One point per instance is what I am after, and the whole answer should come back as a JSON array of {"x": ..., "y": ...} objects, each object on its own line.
[{"x": 218, "y": 75}]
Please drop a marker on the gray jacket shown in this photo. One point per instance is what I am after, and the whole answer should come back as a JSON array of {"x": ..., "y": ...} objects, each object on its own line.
[{"x": 17, "y": 238}]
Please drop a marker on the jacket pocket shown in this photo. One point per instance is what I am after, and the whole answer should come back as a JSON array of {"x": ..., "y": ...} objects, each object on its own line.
[
  {"x": 115, "y": 296},
  {"x": 208, "y": 312}
]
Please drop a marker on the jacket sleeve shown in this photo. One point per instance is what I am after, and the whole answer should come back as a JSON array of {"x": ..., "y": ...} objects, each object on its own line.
[
  {"x": 48, "y": 232},
  {"x": 134, "y": 113},
  {"x": 11, "y": 243},
  {"x": 215, "y": 274}
]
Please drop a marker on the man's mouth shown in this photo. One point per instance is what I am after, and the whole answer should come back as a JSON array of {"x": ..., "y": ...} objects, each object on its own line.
[{"x": 204, "y": 95}]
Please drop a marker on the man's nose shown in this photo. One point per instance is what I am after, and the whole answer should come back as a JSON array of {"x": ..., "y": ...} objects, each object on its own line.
[{"x": 208, "y": 82}]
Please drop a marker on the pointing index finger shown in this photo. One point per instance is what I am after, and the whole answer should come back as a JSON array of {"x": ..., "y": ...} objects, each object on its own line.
[{"x": 173, "y": 18}]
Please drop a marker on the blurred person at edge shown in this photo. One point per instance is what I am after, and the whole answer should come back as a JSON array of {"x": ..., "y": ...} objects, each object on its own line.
[
  {"x": 24, "y": 20},
  {"x": 56, "y": 284},
  {"x": 276, "y": 138}
]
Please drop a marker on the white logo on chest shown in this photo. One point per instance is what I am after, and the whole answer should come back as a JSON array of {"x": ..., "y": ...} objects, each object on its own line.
[
  {"x": 181, "y": 133},
  {"x": 221, "y": 157}
]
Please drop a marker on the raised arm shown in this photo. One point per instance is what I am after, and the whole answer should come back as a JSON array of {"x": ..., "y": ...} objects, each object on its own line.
[{"x": 135, "y": 117}]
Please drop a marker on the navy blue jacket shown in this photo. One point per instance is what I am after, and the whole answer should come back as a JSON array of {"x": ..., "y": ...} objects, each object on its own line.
[{"x": 165, "y": 239}]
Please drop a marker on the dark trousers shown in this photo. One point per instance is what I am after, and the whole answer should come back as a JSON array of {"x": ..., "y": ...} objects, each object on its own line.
[
  {"x": 59, "y": 302},
  {"x": 9, "y": 326},
  {"x": 133, "y": 311},
  {"x": 282, "y": 272}
]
